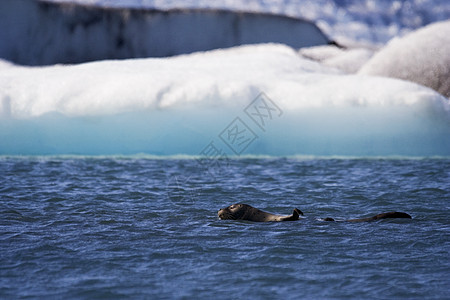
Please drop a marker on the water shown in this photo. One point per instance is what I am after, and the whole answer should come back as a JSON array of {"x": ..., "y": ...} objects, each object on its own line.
[{"x": 118, "y": 227}]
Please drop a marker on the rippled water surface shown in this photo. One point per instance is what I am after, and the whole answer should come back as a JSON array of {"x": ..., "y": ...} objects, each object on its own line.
[{"x": 148, "y": 228}]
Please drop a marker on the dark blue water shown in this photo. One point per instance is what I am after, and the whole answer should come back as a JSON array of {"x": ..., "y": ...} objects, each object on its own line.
[{"x": 148, "y": 228}]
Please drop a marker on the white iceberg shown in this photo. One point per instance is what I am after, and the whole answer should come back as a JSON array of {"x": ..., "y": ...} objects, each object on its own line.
[
  {"x": 178, "y": 105},
  {"x": 422, "y": 56}
]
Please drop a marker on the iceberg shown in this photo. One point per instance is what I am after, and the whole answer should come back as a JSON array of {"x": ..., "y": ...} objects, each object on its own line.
[
  {"x": 349, "y": 60},
  {"x": 422, "y": 56},
  {"x": 287, "y": 105},
  {"x": 366, "y": 21},
  {"x": 43, "y": 33}
]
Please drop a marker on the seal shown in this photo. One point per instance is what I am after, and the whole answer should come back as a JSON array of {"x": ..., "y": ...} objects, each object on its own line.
[
  {"x": 387, "y": 215},
  {"x": 247, "y": 212}
]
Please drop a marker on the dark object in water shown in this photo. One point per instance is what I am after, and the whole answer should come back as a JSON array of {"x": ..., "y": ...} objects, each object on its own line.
[
  {"x": 247, "y": 212},
  {"x": 387, "y": 215}
]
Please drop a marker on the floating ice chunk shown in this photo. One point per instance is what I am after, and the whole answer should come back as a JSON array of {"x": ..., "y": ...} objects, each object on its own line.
[
  {"x": 351, "y": 61},
  {"x": 178, "y": 105},
  {"x": 42, "y": 33},
  {"x": 347, "y": 60},
  {"x": 422, "y": 56}
]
